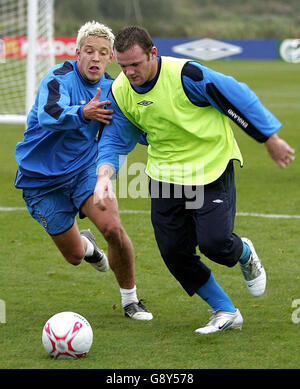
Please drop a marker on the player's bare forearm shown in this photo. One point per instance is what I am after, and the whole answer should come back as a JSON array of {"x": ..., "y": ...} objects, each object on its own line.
[
  {"x": 104, "y": 189},
  {"x": 105, "y": 170}
]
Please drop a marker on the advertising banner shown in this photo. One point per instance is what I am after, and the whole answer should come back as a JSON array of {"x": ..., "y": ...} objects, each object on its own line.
[
  {"x": 17, "y": 47},
  {"x": 208, "y": 49},
  {"x": 289, "y": 50},
  {"x": 205, "y": 49}
]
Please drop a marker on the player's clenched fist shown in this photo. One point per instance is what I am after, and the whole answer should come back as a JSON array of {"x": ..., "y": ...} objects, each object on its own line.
[{"x": 95, "y": 109}]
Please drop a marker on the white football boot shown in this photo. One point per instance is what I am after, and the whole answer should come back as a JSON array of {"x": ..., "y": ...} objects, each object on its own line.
[
  {"x": 137, "y": 311},
  {"x": 254, "y": 273},
  {"x": 99, "y": 259},
  {"x": 222, "y": 321}
]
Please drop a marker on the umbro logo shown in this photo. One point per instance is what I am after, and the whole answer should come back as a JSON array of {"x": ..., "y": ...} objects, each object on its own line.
[{"x": 145, "y": 103}]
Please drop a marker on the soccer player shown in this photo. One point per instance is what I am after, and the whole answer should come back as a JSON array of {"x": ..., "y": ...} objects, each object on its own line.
[
  {"x": 184, "y": 108},
  {"x": 56, "y": 159}
]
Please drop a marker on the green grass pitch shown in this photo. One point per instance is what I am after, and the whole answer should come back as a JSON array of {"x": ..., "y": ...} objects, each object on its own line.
[{"x": 36, "y": 282}]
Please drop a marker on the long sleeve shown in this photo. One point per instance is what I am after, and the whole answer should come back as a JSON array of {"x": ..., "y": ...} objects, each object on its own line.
[
  {"x": 205, "y": 86},
  {"x": 55, "y": 111},
  {"x": 118, "y": 139},
  {"x": 58, "y": 141}
]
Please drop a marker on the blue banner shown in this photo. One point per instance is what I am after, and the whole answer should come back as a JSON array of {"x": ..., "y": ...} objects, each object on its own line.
[{"x": 212, "y": 49}]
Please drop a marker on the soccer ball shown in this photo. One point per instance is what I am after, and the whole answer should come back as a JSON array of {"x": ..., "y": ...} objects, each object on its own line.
[{"x": 67, "y": 335}]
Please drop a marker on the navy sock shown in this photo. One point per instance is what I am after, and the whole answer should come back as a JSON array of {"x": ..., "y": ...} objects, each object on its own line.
[
  {"x": 244, "y": 258},
  {"x": 213, "y": 294}
]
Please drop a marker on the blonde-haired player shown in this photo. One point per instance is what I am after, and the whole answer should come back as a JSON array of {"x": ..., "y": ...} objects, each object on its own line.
[
  {"x": 56, "y": 162},
  {"x": 94, "y": 29}
]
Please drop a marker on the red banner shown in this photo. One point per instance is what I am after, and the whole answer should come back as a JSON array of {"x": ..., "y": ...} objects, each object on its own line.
[
  {"x": 17, "y": 47},
  {"x": 64, "y": 47}
]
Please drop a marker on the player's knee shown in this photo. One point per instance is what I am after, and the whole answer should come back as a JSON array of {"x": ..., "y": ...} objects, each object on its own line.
[
  {"x": 112, "y": 232},
  {"x": 218, "y": 249},
  {"x": 212, "y": 249},
  {"x": 74, "y": 259},
  {"x": 75, "y": 263}
]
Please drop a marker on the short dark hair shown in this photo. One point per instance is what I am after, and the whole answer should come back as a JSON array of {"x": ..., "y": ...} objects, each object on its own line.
[{"x": 133, "y": 35}]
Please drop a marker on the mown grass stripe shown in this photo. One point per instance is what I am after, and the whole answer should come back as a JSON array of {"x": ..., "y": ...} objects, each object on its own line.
[{"x": 140, "y": 211}]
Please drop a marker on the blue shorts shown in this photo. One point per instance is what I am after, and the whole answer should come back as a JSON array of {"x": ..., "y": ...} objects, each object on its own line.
[{"x": 55, "y": 208}]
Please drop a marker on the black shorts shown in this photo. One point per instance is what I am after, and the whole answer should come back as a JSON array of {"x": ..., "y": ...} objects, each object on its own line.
[{"x": 178, "y": 230}]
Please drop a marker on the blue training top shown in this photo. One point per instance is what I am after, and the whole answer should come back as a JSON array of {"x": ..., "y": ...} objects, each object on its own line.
[
  {"x": 204, "y": 87},
  {"x": 59, "y": 142}
]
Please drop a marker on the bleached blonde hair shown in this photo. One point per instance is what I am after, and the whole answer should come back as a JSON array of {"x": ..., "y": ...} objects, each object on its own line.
[{"x": 94, "y": 29}]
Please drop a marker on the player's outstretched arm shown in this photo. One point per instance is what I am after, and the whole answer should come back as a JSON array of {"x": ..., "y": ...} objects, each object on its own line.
[{"x": 280, "y": 150}]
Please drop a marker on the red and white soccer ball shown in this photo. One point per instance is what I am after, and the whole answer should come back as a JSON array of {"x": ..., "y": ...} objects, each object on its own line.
[{"x": 67, "y": 335}]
